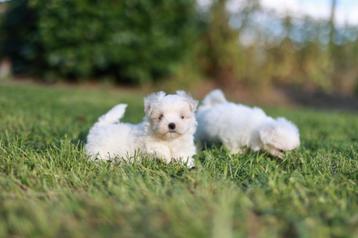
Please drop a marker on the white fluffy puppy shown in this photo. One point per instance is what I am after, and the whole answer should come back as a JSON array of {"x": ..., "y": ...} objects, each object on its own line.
[
  {"x": 167, "y": 131},
  {"x": 238, "y": 127}
]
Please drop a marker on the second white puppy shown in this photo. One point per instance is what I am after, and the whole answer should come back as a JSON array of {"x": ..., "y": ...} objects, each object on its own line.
[
  {"x": 238, "y": 127},
  {"x": 167, "y": 130}
]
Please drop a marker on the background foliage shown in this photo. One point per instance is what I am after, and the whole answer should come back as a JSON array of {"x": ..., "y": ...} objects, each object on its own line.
[
  {"x": 135, "y": 41},
  {"x": 142, "y": 41}
]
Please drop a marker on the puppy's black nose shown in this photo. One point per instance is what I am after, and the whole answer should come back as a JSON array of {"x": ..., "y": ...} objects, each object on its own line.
[{"x": 171, "y": 126}]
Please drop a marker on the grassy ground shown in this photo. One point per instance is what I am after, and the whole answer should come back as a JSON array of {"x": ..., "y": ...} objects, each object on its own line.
[{"x": 48, "y": 188}]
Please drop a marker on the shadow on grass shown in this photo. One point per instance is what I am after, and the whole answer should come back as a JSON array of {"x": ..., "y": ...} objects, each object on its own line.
[{"x": 80, "y": 140}]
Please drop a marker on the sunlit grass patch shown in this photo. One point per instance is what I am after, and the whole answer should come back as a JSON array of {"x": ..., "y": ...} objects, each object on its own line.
[{"x": 49, "y": 188}]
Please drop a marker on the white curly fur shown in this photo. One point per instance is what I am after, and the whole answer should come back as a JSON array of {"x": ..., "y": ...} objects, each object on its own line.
[
  {"x": 110, "y": 138},
  {"x": 238, "y": 127}
]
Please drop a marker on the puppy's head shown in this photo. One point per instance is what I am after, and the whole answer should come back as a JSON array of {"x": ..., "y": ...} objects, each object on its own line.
[
  {"x": 172, "y": 115},
  {"x": 278, "y": 136}
]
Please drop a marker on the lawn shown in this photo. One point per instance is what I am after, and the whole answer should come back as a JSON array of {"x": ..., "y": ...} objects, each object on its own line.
[{"x": 48, "y": 187}]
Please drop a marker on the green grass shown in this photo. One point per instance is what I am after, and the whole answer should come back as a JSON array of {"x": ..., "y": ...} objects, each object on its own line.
[{"x": 48, "y": 188}]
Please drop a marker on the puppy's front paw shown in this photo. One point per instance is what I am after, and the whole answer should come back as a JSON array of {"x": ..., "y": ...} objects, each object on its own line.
[{"x": 190, "y": 163}]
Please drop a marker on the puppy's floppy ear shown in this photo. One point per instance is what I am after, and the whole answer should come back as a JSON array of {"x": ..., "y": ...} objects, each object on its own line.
[
  {"x": 152, "y": 98},
  {"x": 267, "y": 134},
  {"x": 191, "y": 101}
]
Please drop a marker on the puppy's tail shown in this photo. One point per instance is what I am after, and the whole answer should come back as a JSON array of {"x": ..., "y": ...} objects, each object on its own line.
[
  {"x": 214, "y": 97},
  {"x": 113, "y": 115}
]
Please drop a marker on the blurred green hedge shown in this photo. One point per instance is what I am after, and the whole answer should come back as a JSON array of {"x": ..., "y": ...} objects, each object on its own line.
[{"x": 133, "y": 41}]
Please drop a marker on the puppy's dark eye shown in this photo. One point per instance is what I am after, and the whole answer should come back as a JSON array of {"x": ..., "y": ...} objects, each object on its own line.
[
  {"x": 160, "y": 117},
  {"x": 182, "y": 117}
]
